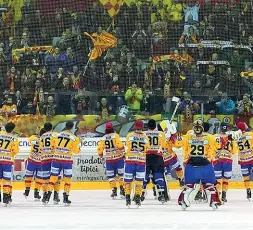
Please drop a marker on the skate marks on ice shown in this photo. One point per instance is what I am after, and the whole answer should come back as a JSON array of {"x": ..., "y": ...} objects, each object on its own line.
[{"x": 96, "y": 210}]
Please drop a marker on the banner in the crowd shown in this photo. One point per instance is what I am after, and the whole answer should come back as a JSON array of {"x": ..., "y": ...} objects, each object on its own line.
[
  {"x": 88, "y": 166},
  {"x": 93, "y": 125}
]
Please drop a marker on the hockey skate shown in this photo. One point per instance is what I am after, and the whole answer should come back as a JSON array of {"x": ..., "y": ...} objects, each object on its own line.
[
  {"x": 249, "y": 194},
  {"x": 138, "y": 200},
  {"x": 183, "y": 206},
  {"x": 122, "y": 192},
  {"x": 161, "y": 197},
  {"x": 201, "y": 197},
  {"x": 44, "y": 199},
  {"x": 6, "y": 199},
  {"x": 66, "y": 200},
  {"x": 37, "y": 196},
  {"x": 143, "y": 195},
  {"x": 10, "y": 199},
  {"x": 26, "y": 193},
  {"x": 224, "y": 197},
  {"x": 128, "y": 200},
  {"x": 114, "y": 193},
  {"x": 154, "y": 192},
  {"x": 56, "y": 198}
]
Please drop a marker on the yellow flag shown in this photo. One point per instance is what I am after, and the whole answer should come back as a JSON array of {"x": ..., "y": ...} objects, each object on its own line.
[
  {"x": 112, "y": 6},
  {"x": 16, "y": 5}
]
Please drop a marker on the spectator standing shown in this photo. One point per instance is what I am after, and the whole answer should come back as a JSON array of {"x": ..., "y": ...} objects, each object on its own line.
[
  {"x": 134, "y": 97},
  {"x": 226, "y": 105}
]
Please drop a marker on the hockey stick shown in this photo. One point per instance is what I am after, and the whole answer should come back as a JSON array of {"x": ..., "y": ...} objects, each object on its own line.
[
  {"x": 166, "y": 188},
  {"x": 177, "y": 100},
  {"x": 133, "y": 191}
]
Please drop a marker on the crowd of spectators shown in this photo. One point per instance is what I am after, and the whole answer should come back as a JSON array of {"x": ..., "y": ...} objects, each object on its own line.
[{"x": 208, "y": 44}]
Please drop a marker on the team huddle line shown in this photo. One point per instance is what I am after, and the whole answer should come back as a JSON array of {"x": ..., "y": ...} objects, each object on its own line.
[{"x": 146, "y": 156}]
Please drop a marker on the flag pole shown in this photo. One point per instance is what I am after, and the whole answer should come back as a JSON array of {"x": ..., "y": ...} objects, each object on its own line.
[{"x": 86, "y": 67}]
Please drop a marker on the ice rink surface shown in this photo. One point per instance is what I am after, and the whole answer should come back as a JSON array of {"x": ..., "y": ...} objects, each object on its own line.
[{"x": 96, "y": 210}]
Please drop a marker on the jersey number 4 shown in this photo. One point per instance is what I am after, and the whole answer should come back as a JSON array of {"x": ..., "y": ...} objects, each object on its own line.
[{"x": 197, "y": 150}]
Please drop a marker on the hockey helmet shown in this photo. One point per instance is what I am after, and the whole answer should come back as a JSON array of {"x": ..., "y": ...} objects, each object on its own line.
[
  {"x": 198, "y": 126},
  {"x": 223, "y": 127}
]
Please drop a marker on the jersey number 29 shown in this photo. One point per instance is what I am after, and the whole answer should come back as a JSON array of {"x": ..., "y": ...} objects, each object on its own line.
[{"x": 197, "y": 150}]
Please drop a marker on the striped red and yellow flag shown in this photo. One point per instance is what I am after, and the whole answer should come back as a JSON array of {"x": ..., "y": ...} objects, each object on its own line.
[
  {"x": 102, "y": 42},
  {"x": 112, "y": 6}
]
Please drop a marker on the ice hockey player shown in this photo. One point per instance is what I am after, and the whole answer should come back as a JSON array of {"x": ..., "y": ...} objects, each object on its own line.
[
  {"x": 137, "y": 144},
  {"x": 198, "y": 152},
  {"x": 33, "y": 166},
  {"x": 154, "y": 161},
  {"x": 66, "y": 145},
  {"x": 201, "y": 195},
  {"x": 223, "y": 160},
  {"x": 112, "y": 148},
  {"x": 47, "y": 147},
  {"x": 171, "y": 161},
  {"x": 8, "y": 149},
  {"x": 244, "y": 147}
]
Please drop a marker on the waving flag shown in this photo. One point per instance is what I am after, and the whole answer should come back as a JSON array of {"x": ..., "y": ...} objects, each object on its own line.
[
  {"x": 101, "y": 42},
  {"x": 112, "y": 6}
]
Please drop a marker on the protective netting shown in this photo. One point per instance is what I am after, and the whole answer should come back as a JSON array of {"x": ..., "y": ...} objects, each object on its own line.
[{"x": 165, "y": 47}]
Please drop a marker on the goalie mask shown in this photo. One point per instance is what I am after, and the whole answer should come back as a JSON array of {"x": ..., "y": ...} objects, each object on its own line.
[{"x": 198, "y": 127}]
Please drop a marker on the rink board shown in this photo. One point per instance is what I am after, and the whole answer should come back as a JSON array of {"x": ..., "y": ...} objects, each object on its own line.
[
  {"x": 105, "y": 185},
  {"x": 89, "y": 171}
]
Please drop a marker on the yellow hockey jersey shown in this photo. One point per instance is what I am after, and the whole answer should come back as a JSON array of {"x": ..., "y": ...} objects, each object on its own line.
[
  {"x": 168, "y": 152},
  {"x": 111, "y": 147},
  {"x": 225, "y": 153},
  {"x": 8, "y": 147},
  {"x": 66, "y": 145},
  {"x": 156, "y": 142},
  {"x": 34, "y": 155},
  {"x": 199, "y": 150},
  {"x": 47, "y": 146},
  {"x": 137, "y": 145},
  {"x": 244, "y": 147}
]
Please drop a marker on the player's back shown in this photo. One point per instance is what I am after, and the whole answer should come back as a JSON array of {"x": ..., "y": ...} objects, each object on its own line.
[
  {"x": 47, "y": 146},
  {"x": 66, "y": 145},
  {"x": 137, "y": 144},
  {"x": 245, "y": 148},
  {"x": 34, "y": 152},
  {"x": 198, "y": 150},
  {"x": 156, "y": 142},
  {"x": 8, "y": 147},
  {"x": 225, "y": 148},
  {"x": 111, "y": 147}
]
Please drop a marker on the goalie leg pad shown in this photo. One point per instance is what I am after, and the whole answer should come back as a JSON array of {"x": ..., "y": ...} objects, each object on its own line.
[
  {"x": 212, "y": 194},
  {"x": 188, "y": 194}
]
